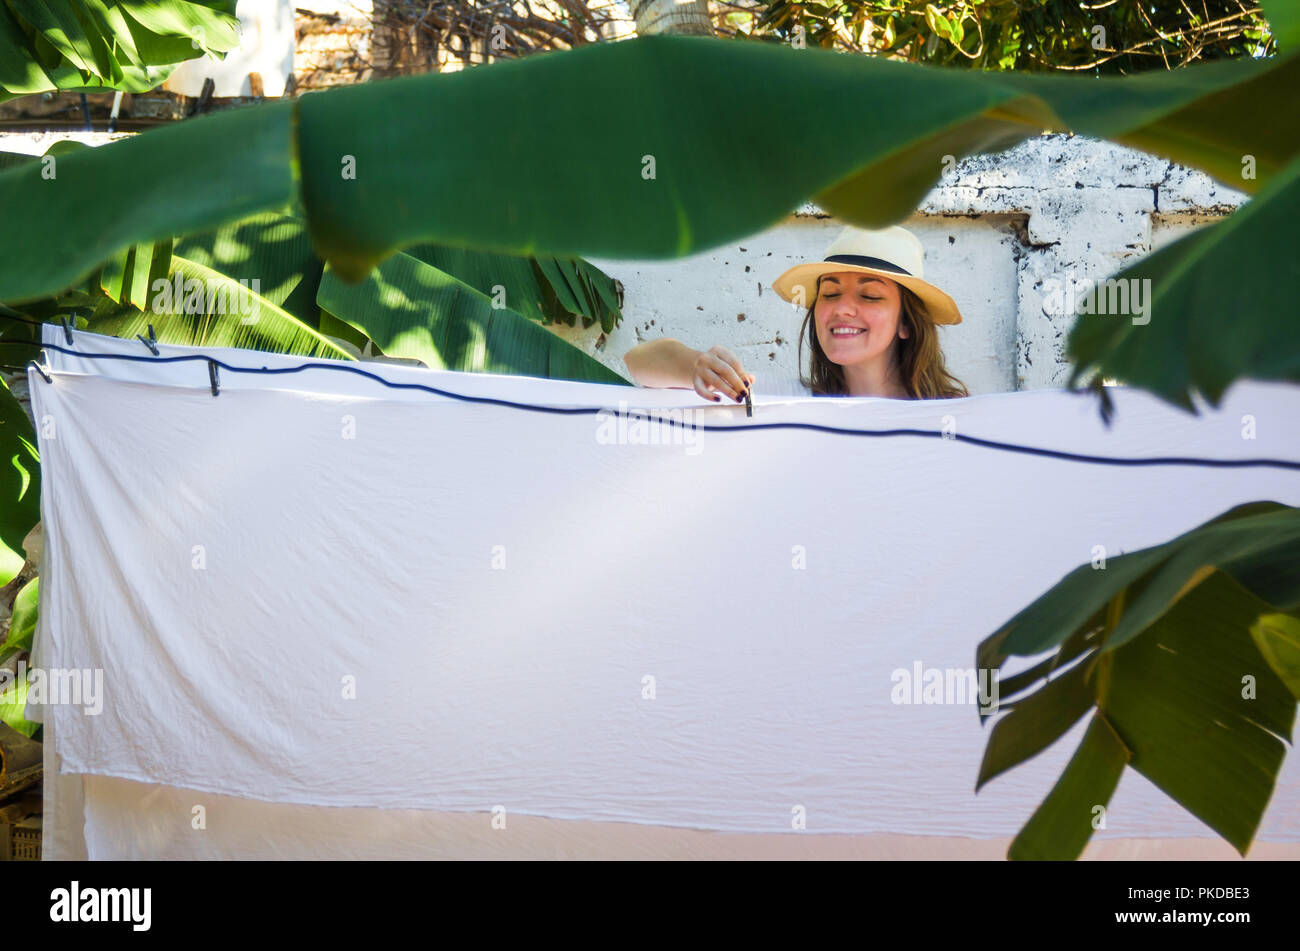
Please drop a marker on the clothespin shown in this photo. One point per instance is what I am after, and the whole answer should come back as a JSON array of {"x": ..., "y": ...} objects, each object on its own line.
[
  {"x": 749, "y": 403},
  {"x": 41, "y": 370},
  {"x": 151, "y": 343},
  {"x": 67, "y": 331},
  {"x": 212, "y": 376}
]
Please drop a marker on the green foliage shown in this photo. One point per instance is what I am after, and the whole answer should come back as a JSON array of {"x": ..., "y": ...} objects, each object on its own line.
[
  {"x": 1043, "y": 36},
  {"x": 93, "y": 45},
  {"x": 1187, "y": 654},
  {"x": 432, "y": 303},
  {"x": 199, "y": 306},
  {"x": 579, "y": 189},
  {"x": 581, "y": 186},
  {"x": 20, "y": 482},
  {"x": 13, "y": 704},
  {"x": 22, "y": 626},
  {"x": 1284, "y": 22},
  {"x": 412, "y": 309},
  {"x": 1061, "y": 826},
  {"x": 1278, "y": 638}
]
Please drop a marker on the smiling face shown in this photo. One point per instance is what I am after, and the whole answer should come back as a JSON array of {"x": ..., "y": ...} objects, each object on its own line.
[{"x": 865, "y": 309}]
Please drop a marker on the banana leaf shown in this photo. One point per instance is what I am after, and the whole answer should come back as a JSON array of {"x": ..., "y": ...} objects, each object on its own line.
[
  {"x": 434, "y": 158},
  {"x": 20, "y": 482},
  {"x": 13, "y": 705},
  {"x": 94, "y": 45},
  {"x": 1187, "y": 655},
  {"x": 198, "y": 306},
  {"x": 1221, "y": 307},
  {"x": 412, "y": 309},
  {"x": 22, "y": 626}
]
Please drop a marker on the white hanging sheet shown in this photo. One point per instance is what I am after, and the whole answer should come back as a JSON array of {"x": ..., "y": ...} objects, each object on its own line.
[
  {"x": 332, "y": 594},
  {"x": 322, "y": 375}
]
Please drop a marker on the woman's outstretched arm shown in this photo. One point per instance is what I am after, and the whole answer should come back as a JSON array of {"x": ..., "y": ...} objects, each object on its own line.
[{"x": 670, "y": 363}]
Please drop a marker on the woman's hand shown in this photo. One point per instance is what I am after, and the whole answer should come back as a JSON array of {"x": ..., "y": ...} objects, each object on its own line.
[{"x": 718, "y": 371}]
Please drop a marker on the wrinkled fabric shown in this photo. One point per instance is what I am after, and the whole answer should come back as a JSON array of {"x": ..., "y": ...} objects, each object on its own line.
[{"x": 311, "y": 591}]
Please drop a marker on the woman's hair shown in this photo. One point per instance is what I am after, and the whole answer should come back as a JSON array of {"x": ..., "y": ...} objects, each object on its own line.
[{"x": 920, "y": 360}]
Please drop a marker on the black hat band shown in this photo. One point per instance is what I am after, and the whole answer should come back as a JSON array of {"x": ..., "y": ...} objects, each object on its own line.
[{"x": 862, "y": 260}]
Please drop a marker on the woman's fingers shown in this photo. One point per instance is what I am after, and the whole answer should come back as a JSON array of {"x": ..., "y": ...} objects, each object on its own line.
[
  {"x": 731, "y": 372},
  {"x": 711, "y": 384},
  {"x": 717, "y": 371},
  {"x": 704, "y": 379},
  {"x": 727, "y": 383}
]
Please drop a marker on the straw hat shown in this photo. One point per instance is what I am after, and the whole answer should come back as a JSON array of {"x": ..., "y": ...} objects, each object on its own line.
[{"x": 894, "y": 253}]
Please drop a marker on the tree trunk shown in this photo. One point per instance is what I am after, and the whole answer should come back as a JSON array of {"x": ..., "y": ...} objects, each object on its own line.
[{"x": 670, "y": 16}]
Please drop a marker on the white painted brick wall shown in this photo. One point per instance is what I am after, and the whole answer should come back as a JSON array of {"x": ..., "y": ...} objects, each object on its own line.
[{"x": 995, "y": 231}]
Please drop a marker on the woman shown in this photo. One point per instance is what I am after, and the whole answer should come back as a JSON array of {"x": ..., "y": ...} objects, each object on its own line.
[{"x": 871, "y": 328}]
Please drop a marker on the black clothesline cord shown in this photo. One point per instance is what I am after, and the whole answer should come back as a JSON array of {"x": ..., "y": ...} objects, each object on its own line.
[
  {"x": 26, "y": 320},
  {"x": 584, "y": 410}
]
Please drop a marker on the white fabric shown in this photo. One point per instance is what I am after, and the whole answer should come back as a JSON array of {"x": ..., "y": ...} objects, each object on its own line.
[
  {"x": 522, "y": 686},
  {"x": 195, "y": 373},
  {"x": 779, "y": 384},
  {"x": 321, "y": 376}
]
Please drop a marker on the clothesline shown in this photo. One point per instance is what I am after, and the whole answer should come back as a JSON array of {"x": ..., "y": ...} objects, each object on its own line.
[
  {"x": 1286, "y": 464},
  {"x": 594, "y": 411}
]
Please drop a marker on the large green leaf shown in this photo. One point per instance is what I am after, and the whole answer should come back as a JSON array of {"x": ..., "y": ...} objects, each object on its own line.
[
  {"x": 273, "y": 252},
  {"x": 20, "y": 477},
  {"x": 1136, "y": 593},
  {"x": 1185, "y": 345},
  {"x": 1062, "y": 825},
  {"x": 1083, "y": 640},
  {"x": 1271, "y": 539},
  {"x": 15, "y": 159},
  {"x": 11, "y": 562},
  {"x": 1284, "y": 19},
  {"x": 1037, "y": 722},
  {"x": 412, "y": 309},
  {"x": 1072, "y": 604},
  {"x": 201, "y": 174},
  {"x": 1278, "y": 638},
  {"x": 545, "y": 289},
  {"x": 198, "y": 306},
  {"x": 485, "y": 158},
  {"x": 277, "y": 249},
  {"x": 127, "y": 278},
  {"x": 131, "y": 45},
  {"x": 211, "y": 25},
  {"x": 22, "y": 626},
  {"x": 1178, "y": 696},
  {"x": 273, "y": 249},
  {"x": 572, "y": 191},
  {"x": 1191, "y": 704},
  {"x": 1194, "y": 669},
  {"x": 13, "y": 704}
]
